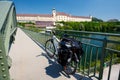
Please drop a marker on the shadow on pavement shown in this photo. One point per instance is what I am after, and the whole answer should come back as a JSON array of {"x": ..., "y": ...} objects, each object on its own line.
[
  {"x": 55, "y": 70},
  {"x": 80, "y": 77}
]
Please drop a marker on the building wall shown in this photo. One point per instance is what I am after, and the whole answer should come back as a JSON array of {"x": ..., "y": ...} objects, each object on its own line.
[
  {"x": 54, "y": 17},
  {"x": 38, "y": 18},
  {"x": 67, "y": 18}
]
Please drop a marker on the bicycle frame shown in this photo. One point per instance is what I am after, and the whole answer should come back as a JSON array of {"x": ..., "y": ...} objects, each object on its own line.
[{"x": 55, "y": 41}]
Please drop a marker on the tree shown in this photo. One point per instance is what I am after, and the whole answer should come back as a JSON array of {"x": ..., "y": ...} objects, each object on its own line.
[
  {"x": 81, "y": 27},
  {"x": 113, "y": 20},
  {"x": 96, "y": 19}
]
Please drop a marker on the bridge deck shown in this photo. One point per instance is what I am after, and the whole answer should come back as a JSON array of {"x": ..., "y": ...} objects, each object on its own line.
[{"x": 29, "y": 62}]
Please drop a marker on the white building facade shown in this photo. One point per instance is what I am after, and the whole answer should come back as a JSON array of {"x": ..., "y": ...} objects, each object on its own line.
[{"x": 54, "y": 17}]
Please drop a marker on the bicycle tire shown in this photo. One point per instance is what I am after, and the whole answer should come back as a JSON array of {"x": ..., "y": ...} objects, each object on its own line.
[
  {"x": 69, "y": 66},
  {"x": 50, "y": 48}
]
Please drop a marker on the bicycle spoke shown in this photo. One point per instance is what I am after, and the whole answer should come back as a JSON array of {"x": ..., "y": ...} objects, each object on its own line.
[
  {"x": 50, "y": 49},
  {"x": 71, "y": 67}
]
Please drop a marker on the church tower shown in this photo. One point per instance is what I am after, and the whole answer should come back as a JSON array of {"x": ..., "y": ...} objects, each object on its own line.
[
  {"x": 54, "y": 12},
  {"x": 54, "y": 15}
]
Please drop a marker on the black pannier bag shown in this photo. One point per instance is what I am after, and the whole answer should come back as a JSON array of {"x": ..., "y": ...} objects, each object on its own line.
[{"x": 67, "y": 45}]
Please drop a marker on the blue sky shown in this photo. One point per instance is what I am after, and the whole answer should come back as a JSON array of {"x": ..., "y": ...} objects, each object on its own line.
[{"x": 103, "y": 9}]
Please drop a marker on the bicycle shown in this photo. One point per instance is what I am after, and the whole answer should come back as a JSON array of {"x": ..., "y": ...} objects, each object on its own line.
[
  {"x": 52, "y": 45},
  {"x": 52, "y": 48}
]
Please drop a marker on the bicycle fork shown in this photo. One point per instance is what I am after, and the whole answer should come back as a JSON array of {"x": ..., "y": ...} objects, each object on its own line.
[{"x": 71, "y": 55}]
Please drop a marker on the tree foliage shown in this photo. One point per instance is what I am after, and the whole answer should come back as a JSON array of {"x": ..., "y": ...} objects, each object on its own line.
[
  {"x": 96, "y": 19},
  {"x": 31, "y": 27},
  {"x": 94, "y": 26},
  {"x": 113, "y": 20}
]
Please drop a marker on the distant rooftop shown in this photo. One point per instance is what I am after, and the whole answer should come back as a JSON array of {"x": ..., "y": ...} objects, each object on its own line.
[
  {"x": 35, "y": 15},
  {"x": 51, "y": 15},
  {"x": 65, "y": 14}
]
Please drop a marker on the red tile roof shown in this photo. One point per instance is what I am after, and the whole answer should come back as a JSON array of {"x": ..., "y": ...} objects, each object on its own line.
[
  {"x": 35, "y": 15},
  {"x": 50, "y": 15},
  {"x": 62, "y": 13},
  {"x": 80, "y": 17}
]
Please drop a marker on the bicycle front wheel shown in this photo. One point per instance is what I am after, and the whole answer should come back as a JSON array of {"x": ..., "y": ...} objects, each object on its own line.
[{"x": 50, "y": 48}]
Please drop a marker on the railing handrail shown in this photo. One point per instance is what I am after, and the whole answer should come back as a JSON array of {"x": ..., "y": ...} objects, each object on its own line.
[{"x": 94, "y": 33}]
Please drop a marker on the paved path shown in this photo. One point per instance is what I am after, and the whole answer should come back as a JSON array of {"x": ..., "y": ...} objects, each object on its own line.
[
  {"x": 29, "y": 61},
  {"x": 114, "y": 72}
]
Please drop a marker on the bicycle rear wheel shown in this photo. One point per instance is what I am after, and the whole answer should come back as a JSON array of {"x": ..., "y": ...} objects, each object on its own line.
[
  {"x": 71, "y": 67},
  {"x": 50, "y": 48}
]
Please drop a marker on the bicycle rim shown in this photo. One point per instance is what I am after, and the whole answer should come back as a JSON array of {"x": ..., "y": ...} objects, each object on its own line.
[
  {"x": 49, "y": 48},
  {"x": 71, "y": 67}
]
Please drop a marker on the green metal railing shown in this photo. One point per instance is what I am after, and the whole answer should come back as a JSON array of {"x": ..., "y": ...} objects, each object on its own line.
[
  {"x": 101, "y": 52},
  {"x": 96, "y": 56}
]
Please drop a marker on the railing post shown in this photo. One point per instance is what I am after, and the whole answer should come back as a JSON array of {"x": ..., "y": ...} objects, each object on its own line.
[
  {"x": 102, "y": 58},
  {"x": 119, "y": 75}
]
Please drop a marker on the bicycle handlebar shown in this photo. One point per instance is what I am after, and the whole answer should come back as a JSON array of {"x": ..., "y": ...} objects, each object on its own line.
[{"x": 53, "y": 32}]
